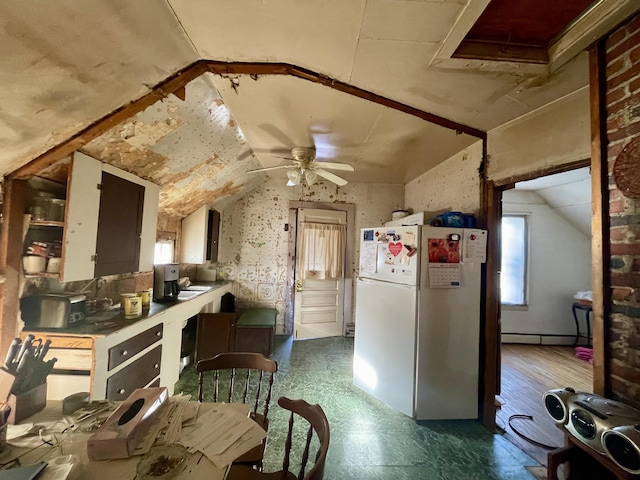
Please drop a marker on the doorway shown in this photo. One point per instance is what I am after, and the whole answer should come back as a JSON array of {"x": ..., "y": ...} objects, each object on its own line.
[
  {"x": 319, "y": 273},
  {"x": 545, "y": 264},
  {"x": 319, "y": 302}
]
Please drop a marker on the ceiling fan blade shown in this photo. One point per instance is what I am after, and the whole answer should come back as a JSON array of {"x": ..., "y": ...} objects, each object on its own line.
[
  {"x": 331, "y": 177},
  {"x": 335, "y": 166},
  {"x": 266, "y": 169}
]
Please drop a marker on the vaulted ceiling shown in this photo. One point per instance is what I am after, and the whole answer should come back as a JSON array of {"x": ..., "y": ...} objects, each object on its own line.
[{"x": 65, "y": 65}]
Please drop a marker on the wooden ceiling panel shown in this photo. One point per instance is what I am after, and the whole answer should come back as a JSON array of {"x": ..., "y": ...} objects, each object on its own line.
[{"x": 526, "y": 22}]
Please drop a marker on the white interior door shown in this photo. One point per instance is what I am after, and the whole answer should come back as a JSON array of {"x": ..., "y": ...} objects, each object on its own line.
[{"x": 319, "y": 304}]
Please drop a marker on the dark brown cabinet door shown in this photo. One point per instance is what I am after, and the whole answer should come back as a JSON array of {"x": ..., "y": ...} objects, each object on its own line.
[
  {"x": 216, "y": 334},
  {"x": 119, "y": 226},
  {"x": 213, "y": 231}
]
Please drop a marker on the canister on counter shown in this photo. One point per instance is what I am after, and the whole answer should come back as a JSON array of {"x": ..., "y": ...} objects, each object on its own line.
[
  {"x": 125, "y": 295},
  {"x": 132, "y": 306},
  {"x": 145, "y": 295}
]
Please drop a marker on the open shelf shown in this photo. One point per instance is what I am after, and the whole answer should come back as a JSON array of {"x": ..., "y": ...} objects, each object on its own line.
[
  {"x": 43, "y": 274},
  {"x": 45, "y": 223}
]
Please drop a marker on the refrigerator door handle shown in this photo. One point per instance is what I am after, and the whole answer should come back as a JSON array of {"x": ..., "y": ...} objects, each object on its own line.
[{"x": 369, "y": 281}]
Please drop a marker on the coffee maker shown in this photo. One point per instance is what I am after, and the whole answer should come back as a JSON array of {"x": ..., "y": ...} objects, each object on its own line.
[{"x": 165, "y": 282}]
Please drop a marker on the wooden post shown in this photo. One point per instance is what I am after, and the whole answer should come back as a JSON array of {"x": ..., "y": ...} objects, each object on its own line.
[
  {"x": 599, "y": 216},
  {"x": 10, "y": 260}
]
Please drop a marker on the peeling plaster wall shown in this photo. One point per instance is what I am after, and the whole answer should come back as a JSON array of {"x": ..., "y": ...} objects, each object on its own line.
[
  {"x": 454, "y": 185},
  {"x": 254, "y": 244},
  {"x": 555, "y": 134},
  {"x": 192, "y": 149}
]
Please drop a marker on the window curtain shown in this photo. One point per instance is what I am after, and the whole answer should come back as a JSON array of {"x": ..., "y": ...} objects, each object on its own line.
[{"x": 321, "y": 249}]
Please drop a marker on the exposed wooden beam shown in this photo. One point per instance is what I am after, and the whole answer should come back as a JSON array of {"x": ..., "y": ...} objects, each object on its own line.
[
  {"x": 261, "y": 68},
  {"x": 173, "y": 84},
  {"x": 490, "y": 331},
  {"x": 176, "y": 84},
  {"x": 597, "y": 21},
  {"x": 181, "y": 93},
  {"x": 505, "y": 183},
  {"x": 599, "y": 218}
]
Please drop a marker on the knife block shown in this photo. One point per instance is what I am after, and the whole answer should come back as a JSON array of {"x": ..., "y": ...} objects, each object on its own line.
[
  {"x": 7, "y": 379},
  {"x": 27, "y": 403}
]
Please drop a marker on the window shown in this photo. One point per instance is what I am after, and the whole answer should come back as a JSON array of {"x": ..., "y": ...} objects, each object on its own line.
[
  {"x": 163, "y": 252},
  {"x": 515, "y": 258}
]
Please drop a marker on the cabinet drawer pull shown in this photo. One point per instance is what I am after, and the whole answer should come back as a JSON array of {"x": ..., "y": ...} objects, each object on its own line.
[
  {"x": 121, "y": 391},
  {"x": 156, "y": 366},
  {"x": 158, "y": 333},
  {"x": 124, "y": 353}
]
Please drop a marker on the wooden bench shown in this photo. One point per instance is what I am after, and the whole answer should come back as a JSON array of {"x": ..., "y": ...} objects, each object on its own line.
[{"x": 255, "y": 330}]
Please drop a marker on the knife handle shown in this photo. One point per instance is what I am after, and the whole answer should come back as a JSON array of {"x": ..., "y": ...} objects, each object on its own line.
[
  {"x": 44, "y": 349},
  {"x": 11, "y": 353},
  {"x": 26, "y": 347}
]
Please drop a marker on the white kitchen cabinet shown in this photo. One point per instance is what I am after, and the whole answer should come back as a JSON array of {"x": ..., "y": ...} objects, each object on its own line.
[
  {"x": 199, "y": 240},
  {"x": 83, "y": 209},
  {"x": 138, "y": 354},
  {"x": 172, "y": 321}
]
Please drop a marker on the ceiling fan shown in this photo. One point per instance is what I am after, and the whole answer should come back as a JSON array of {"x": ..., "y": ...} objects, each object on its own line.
[{"x": 306, "y": 168}]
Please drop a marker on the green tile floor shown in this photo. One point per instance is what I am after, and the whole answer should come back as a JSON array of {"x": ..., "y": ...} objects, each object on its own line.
[{"x": 370, "y": 440}]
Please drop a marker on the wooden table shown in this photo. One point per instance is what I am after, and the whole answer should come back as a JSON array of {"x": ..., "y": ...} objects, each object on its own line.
[
  {"x": 75, "y": 443},
  {"x": 588, "y": 312}
]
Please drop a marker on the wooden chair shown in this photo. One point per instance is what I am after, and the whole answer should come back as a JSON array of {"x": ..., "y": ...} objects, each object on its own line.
[
  {"x": 318, "y": 423},
  {"x": 248, "y": 378}
]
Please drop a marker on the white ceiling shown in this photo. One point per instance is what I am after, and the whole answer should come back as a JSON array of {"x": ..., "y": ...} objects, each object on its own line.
[
  {"x": 66, "y": 64},
  {"x": 568, "y": 194}
]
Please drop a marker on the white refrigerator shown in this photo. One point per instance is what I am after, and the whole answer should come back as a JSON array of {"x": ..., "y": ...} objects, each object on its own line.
[{"x": 417, "y": 335}]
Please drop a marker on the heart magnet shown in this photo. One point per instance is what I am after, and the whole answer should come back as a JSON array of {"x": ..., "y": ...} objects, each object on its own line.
[{"x": 395, "y": 248}]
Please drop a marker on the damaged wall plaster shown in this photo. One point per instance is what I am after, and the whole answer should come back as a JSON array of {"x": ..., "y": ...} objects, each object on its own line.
[
  {"x": 192, "y": 149},
  {"x": 454, "y": 185},
  {"x": 556, "y": 134},
  {"x": 254, "y": 244}
]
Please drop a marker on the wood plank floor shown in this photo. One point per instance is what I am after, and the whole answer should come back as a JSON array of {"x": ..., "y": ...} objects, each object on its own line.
[{"x": 527, "y": 372}]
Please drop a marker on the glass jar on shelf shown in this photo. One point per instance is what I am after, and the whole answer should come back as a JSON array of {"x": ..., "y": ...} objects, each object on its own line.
[{"x": 56, "y": 210}]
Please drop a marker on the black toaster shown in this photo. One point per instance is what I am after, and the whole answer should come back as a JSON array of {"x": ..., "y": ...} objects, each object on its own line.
[{"x": 52, "y": 310}]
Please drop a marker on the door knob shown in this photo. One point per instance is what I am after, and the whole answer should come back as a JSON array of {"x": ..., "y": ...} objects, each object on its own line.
[{"x": 298, "y": 285}]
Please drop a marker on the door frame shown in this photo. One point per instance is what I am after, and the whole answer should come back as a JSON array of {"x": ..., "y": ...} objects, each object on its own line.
[
  {"x": 492, "y": 330},
  {"x": 294, "y": 205}
]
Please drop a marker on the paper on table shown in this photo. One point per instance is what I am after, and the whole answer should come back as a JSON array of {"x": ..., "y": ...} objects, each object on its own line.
[
  {"x": 190, "y": 413},
  {"x": 166, "y": 428},
  {"x": 15, "y": 431},
  {"x": 223, "y": 436},
  {"x": 59, "y": 468},
  {"x": 28, "y": 434},
  {"x": 173, "y": 430},
  {"x": 157, "y": 424}
]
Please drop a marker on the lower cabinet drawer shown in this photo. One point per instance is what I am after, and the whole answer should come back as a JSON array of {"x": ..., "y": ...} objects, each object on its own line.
[
  {"x": 137, "y": 375},
  {"x": 134, "y": 345}
]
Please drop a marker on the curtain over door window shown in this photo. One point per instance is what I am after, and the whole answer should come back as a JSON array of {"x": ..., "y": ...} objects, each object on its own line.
[{"x": 322, "y": 250}]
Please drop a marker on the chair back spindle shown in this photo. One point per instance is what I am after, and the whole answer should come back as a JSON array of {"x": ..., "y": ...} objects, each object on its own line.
[
  {"x": 250, "y": 378},
  {"x": 318, "y": 426}
]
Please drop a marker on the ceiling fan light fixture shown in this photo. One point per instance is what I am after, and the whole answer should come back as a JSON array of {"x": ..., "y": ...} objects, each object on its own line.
[
  {"x": 310, "y": 176},
  {"x": 294, "y": 176}
]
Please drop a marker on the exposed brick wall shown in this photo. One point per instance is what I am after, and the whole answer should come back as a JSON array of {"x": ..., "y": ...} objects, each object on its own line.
[{"x": 623, "y": 125}]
